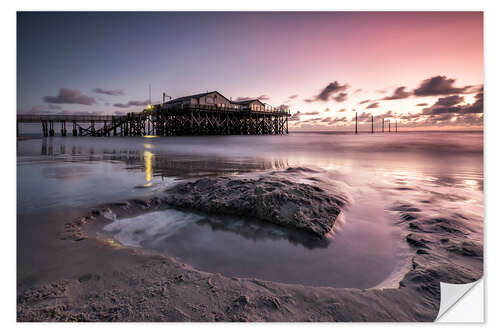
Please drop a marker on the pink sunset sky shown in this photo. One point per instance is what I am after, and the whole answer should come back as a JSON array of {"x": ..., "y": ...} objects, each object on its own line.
[{"x": 423, "y": 69}]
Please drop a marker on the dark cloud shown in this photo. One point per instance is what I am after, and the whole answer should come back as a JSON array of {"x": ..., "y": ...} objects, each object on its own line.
[
  {"x": 327, "y": 92},
  {"x": 337, "y": 120},
  {"x": 326, "y": 120},
  {"x": 451, "y": 104},
  {"x": 365, "y": 101},
  {"x": 363, "y": 117},
  {"x": 341, "y": 97},
  {"x": 240, "y": 99},
  {"x": 69, "y": 96},
  {"x": 450, "y": 100},
  {"x": 439, "y": 85},
  {"x": 342, "y": 110},
  {"x": 131, "y": 103},
  {"x": 293, "y": 96},
  {"x": 295, "y": 116},
  {"x": 422, "y": 104},
  {"x": 399, "y": 93},
  {"x": 111, "y": 92},
  {"x": 313, "y": 113},
  {"x": 261, "y": 97},
  {"x": 366, "y": 117},
  {"x": 55, "y": 107},
  {"x": 327, "y": 109},
  {"x": 373, "y": 106}
]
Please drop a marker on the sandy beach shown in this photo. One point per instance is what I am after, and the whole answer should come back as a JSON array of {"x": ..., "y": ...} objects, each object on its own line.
[{"x": 98, "y": 269}]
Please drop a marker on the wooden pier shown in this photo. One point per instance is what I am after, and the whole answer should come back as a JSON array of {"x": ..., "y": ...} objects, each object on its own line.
[{"x": 161, "y": 121}]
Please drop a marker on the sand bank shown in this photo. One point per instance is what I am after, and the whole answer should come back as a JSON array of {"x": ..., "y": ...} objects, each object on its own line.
[{"x": 159, "y": 288}]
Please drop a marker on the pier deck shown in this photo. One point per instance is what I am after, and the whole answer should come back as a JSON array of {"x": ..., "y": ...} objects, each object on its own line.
[{"x": 162, "y": 121}]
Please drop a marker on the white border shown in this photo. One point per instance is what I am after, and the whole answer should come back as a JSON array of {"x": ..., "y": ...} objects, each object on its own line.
[{"x": 492, "y": 139}]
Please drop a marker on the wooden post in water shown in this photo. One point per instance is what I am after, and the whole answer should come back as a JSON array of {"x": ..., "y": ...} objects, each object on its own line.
[
  {"x": 75, "y": 133},
  {"x": 372, "y": 123},
  {"x": 383, "y": 123},
  {"x": 389, "y": 126},
  {"x": 44, "y": 127},
  {"x": 51, "y": 127},
  {"x": 63, "y": 127},
  {"x": 356, "y": 128},
  {"x": 396, "y": 126}
]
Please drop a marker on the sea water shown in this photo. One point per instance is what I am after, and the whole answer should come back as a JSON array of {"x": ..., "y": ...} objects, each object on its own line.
[{"x": 431, "y": 170}]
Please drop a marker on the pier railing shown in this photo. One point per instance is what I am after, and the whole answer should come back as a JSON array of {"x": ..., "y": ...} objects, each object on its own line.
[{"x": 195, "y": 107}]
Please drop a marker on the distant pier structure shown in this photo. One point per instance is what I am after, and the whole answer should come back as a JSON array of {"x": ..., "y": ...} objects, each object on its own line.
[{"x": 202, "y": 114}]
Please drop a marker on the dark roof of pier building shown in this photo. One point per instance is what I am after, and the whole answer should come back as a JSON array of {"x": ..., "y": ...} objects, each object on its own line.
[{"x": 183, "y": 98}]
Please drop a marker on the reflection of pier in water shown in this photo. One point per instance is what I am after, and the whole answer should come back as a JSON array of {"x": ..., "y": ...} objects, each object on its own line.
[{"x": 154, "y": 163}]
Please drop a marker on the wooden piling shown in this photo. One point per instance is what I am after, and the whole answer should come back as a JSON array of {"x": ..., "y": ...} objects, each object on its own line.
[
  {"x": 63, "y": 128},
  {"x": 372, "y": 123},
  {"x": 383, "y": 123},
  {"x": 51, "y": 128},
  {"x": 356, "y": 128}
]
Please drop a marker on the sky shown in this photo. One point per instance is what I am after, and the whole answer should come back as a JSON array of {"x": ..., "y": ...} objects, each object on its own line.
[{"x": 421, "y": 69}]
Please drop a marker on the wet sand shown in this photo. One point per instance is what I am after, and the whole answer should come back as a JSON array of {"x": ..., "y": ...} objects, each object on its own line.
[{"x": 68, "y": 271}]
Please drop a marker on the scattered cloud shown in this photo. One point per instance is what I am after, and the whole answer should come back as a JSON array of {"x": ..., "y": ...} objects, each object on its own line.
[
  {"x": 327, "y": 92},
  {"x": 399, "y": 93},
  {"x": 342, "y": 110},
  {"x": 373, "y": 105},
  {"x": 293, "y": 96},
  {"x": 295, "y": 116},
  {"x": 452, "y": 104},
  {"x": 69, "y": 96},
  {"x": 364, "y": 101},
  {"x": 248, "y": 98},
  {"x": 55, "y": 107},
  {"x": 357, "y": 91},
  {"x": 439, "y": 85},
  {"x": 111, "y": 92},
  {"x": 313, "y": 113},
  {"x": 240, "y": 99},
  {"x": 422, "y": 104},
  {"x": 131, "y": 103},
  {"x": 341, "y": 97}
]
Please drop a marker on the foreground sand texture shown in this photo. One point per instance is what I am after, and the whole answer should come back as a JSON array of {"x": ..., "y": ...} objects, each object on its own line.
[
  {"x": 155, "y": 287},
  {"x": 279, "y": 201}
]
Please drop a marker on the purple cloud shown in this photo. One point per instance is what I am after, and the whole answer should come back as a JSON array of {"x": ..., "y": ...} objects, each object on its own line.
[
  {"x": 69, "y": 96},
  {"x": 326, "y": 93},
  {"x": 341, "y": 97},
  {"x": 399, "y": 93},
  {"x": 131, "y": 103},
  {"x": 439, "y": 85},
  {"x": 373, "y": 106},
  {"x": 111, "y": 92}
]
